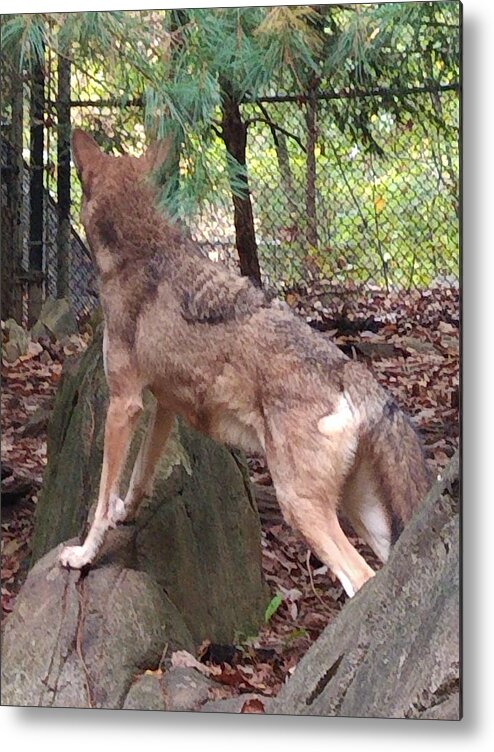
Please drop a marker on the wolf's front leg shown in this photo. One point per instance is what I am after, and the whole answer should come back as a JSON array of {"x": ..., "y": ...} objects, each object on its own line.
[
  {"x": 141, "y": 482},
  {"x": 121, "y": 418}
]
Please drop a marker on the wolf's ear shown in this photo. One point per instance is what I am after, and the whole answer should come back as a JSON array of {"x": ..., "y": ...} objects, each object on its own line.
[
  {"x": 158, "y": 153},
  {"x": 87, "y": 157}
]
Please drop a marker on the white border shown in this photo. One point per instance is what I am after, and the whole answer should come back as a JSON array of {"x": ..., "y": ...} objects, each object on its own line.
[{"x": 37, "y": 729}]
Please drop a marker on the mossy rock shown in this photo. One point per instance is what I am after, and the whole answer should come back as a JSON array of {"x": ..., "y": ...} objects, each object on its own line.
[{"x": 198, "y": 535}]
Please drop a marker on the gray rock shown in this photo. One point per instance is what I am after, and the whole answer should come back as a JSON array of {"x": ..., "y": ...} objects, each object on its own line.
[
  {"x": 235, "y": 704},
  {"x": 10, "y": 352},
  {"x": 57, "y": 318},
  {"x": 146, "y": 693},
  {"x": 18, "y": 338},
  {"x": 185, "y": 689},
  {"x": 197, "y": 536},
  {"x": 75, "y": 641},
  {"x": 177, "y": 689},
  {"x": 393, "y": 651},
  {"x": 39, "y": 331}
]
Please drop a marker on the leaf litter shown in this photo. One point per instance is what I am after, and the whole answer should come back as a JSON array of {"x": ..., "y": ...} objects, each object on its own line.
[{"x": 411, "y": 343}]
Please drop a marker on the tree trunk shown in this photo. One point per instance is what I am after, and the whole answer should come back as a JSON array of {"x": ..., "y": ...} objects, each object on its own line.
[
  {"x": 63, "y": 178},
  {"x": 394, "y": 651},
  {"x": 12, "y": 228},
  {"x": 283, "y": 157},
  {"x": 18, "y": 195},
  {"x": 234, "y": 133},
  {"x": 7, "y": 220},
  {"x": 36, "y": 197}
]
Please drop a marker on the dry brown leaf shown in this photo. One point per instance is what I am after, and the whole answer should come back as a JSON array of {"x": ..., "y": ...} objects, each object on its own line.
[
  {"x": 184, "y": 659},
  {"x": 252, "y": 706}
]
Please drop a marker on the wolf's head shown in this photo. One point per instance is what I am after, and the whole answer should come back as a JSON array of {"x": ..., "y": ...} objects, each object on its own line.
[{"x": 119, "y": 204}]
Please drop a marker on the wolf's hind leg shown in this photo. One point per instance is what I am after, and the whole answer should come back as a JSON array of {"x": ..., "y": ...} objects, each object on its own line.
[
  {"x": 121, "y": 419},
  {"x": 141, "y": 482},
  {"x": 319, "y": 525},
  {"x": 309, "y": 458}
]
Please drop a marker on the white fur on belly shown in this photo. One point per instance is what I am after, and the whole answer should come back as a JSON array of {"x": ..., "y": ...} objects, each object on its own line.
[{"x": 239, "y": 431}]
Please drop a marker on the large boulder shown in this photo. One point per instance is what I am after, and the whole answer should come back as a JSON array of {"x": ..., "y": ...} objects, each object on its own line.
[
  {"x": 197, "y": 537},
  {"x": 56, "y": 320},
  {"x": 80, "y": 641},
  {"x": 188, "y": 569}
]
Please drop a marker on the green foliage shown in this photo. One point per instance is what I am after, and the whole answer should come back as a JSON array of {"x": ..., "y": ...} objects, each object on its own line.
[
  {"x": 272, "y": 607},
  {"x": 403, "y": 198},
  {"x": 24, "y": 38}
]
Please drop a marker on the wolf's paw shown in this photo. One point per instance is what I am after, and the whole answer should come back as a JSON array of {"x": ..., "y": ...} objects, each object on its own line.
[
  {"x": 74, "y": 557},
  {"x": 116, "y": 512}
]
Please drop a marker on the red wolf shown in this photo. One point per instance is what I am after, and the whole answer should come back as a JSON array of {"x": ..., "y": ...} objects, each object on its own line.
[{"x": 244, "y": 370}]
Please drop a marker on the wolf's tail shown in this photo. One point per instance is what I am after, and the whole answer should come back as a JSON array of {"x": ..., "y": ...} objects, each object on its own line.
[{"x": 399, "y": 463}]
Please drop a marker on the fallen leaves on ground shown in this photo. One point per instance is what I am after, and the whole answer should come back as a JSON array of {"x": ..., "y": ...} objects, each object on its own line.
[
  {"x": 28, "y": 389},
  {"x": 409, "y": 340}
]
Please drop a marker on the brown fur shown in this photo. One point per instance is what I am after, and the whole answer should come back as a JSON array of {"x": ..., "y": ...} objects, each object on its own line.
[{"x": 246, "y": 371}]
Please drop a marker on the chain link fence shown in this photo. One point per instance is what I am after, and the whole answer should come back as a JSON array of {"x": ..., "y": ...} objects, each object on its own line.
[
  {"x": 379, "y": 212},
  {"x": 82, "y": 277},
  {"x": 376, "y": 212}
]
